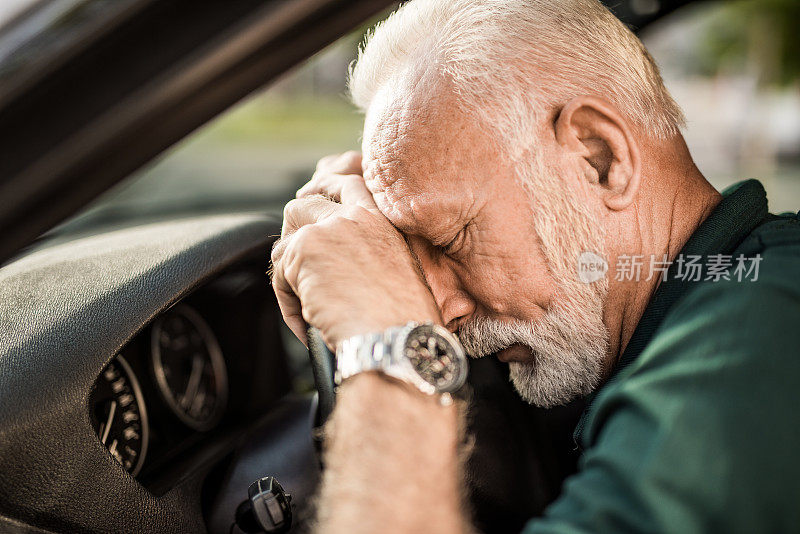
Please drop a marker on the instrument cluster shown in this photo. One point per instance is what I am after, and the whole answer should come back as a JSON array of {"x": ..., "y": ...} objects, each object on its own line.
[
  {"x": 186, "y": 368},
  {"x": 193, "y": 381}
]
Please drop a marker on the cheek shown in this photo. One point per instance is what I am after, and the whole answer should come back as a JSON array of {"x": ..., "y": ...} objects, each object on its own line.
[{"x": 509, "y": 278}]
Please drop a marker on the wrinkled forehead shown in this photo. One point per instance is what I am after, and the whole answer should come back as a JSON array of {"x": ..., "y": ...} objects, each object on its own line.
[{"x": 420, "y": 153}]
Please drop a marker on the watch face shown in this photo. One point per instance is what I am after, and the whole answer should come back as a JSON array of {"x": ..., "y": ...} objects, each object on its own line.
[{"x": 438, "y": 360}]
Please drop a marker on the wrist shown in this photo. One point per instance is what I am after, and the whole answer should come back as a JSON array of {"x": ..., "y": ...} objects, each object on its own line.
[
  {"x": 375, "y": 389},
  {"x": 386, "y": 435},
  {"x": 391, "y": 407}
]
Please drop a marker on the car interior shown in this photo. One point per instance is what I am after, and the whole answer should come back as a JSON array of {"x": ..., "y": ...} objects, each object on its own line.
[{"x": 146, "y": 378}]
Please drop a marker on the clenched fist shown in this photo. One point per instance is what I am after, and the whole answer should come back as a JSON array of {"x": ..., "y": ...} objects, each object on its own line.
[{"x": 340, "y": 265}]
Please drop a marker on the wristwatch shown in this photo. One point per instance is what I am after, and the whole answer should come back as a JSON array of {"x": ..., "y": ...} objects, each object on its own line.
[{"x": 425, "y": 355}]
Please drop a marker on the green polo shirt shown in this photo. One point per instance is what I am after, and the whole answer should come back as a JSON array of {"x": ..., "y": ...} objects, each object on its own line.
[{"x": 698, "y": 428}]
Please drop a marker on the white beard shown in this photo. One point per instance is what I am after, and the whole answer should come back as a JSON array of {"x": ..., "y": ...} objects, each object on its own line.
[
  {"x": 568, "y": 355},
  {"x": 570, "y": 341}
]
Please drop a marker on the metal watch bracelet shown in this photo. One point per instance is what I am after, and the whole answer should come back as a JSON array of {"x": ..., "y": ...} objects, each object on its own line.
[{"x": 368, "y": 352}]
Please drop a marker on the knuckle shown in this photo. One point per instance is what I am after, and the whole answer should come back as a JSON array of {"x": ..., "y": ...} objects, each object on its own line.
[
  {"x": 277, "y": 250},
  {"x": 307, "y": 243},
  {"x": 318, "y": 198},
  {"x": 339, "y": 227},
  {"x": 291, "y": 208},
  {"x": 289, "y": 249},
  {"x": 315, "y": 178},
  {"x": 351, "y": 156},
  {"x": 303, "y": 236},
  {"x": 326, "y": 161}
]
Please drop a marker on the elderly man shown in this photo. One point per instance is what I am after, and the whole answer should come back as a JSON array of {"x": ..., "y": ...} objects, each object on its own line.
[{"x": 524, "y": 184}]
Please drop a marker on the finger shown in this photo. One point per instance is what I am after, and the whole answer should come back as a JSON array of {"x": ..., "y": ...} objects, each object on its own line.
[
  {"x": 327, "y": 174},
  {"x": 292, "y": 313},
  {"x": 300, "y": 212},
  {"x": 326, "y": 161},
  {"x": 278, "y": 249},
  {"x": 289, "y": 304},
  {"x": 328, "y": 169},
  {"x": 353, "y": 191},
  {"x": 346, "y": 163},
  {"x": 322, "y": 183},
  {"x": 343, "y": 188}
]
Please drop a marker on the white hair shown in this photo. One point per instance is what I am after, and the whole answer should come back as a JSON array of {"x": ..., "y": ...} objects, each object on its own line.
[{"x": 515, "y": 63}]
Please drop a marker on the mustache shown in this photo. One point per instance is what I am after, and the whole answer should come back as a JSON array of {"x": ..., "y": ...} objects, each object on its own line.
[
  {"x": 483, "y": 336},
  {"x": 556, "y": 332}
]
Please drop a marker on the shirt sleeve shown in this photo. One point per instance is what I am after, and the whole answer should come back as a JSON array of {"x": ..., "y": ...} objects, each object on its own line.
[{"x": 701, "y": 433}]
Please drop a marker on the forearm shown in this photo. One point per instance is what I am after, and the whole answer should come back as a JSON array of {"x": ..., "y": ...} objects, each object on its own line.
[{"x": 392, "y": 461}]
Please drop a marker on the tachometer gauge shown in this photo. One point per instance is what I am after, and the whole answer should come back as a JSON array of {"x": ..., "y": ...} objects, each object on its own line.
[
  {"x": 189, "y": 368},
  {"x": 119, "y": 415}
]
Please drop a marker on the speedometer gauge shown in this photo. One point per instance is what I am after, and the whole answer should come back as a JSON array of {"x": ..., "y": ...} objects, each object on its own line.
[
  {"x": 119, "y": 415},
  {"x": 189, "y": 368}
]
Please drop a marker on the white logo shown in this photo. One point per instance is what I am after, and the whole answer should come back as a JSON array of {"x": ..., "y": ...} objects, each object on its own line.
[{"x": 591, "y": 267}]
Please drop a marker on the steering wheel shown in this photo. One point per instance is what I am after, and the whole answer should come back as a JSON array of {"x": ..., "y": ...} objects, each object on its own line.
[{"x": 323, "y": 364}]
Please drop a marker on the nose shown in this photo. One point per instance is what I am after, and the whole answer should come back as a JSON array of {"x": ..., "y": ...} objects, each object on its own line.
[
  {"x": 454, "y": 303},
  {"x": 456, "y": 308}
]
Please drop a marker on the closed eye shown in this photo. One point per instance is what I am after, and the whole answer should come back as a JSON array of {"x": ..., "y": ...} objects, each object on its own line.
[{"x": 455, "y": 244}]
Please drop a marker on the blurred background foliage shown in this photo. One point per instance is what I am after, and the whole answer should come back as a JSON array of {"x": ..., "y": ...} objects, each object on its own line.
[{"x": 759, "y": 36}]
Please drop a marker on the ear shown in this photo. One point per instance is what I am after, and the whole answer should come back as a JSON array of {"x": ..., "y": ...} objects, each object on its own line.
[{"x": 594, "y": 130}]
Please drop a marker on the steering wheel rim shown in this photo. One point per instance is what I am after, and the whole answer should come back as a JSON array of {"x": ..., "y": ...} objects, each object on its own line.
[{"x": 323, "y": 364}]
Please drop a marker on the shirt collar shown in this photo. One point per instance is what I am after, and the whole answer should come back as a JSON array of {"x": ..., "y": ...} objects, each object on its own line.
[{"x": 742, "y": 208}]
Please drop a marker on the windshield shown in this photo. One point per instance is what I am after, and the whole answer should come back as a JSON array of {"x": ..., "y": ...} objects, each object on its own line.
[
  {"x": 741, "y": 123},
  {"x": 253, "y": 157}
]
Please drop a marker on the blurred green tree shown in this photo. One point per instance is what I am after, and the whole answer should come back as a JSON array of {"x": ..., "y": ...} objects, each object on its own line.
[{"x": 761, "y": 37}]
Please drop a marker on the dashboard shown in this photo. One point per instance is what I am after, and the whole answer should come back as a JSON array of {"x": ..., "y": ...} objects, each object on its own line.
[{"x": 145, "y": 381}]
